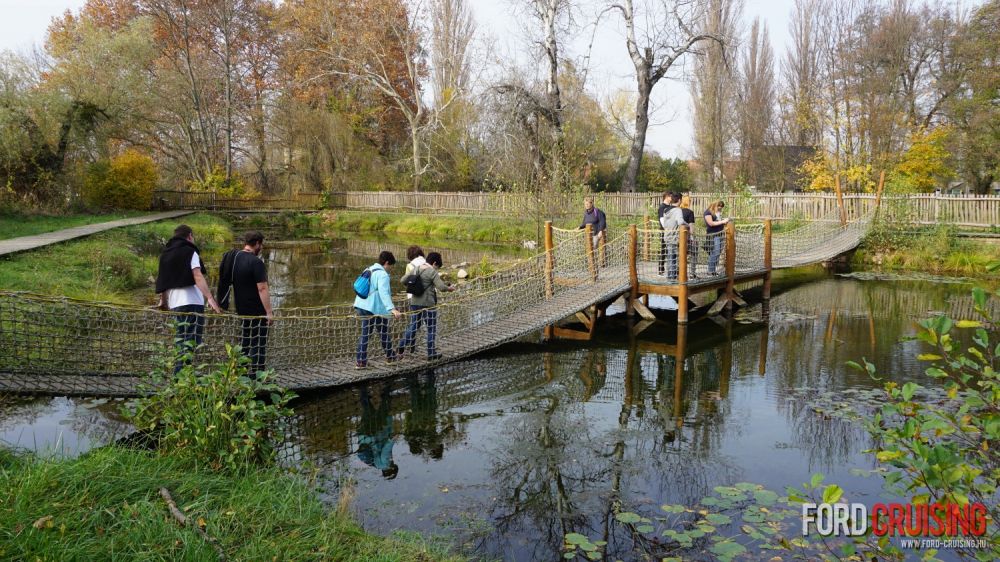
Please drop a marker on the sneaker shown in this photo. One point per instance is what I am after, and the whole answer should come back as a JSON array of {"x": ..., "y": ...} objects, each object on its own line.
[
  {"x": 361, "y": 365},
  {"x": 434, "y": 356}
]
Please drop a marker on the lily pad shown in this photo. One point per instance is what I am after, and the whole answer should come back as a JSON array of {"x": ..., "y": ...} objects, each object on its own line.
[
  {"x": 718, "y": 518},
  {"x": 628, "y": 517}
]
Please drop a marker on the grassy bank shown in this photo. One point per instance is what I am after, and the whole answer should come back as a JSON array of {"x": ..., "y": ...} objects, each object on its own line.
[
  {"x": 105, "y": 505},
  {"x": 13, "y": 226},
  {"x": 508, "y": 229},
  {"x": 930, "y": 250},
  {"x": 116, "y": 265}
]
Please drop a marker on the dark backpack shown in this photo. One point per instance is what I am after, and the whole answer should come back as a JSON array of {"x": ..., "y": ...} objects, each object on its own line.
[
  {"x": 363, "y": 284},
  {"x": 414, "y": 284}
]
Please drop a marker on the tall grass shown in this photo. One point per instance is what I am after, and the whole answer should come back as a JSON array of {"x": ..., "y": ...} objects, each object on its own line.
[
  {"x": 500, "y": 229},
  {"x": 104, "y": 505},
  {"x": 113, "y": 265},
  {"x": 935, "y": 250}
]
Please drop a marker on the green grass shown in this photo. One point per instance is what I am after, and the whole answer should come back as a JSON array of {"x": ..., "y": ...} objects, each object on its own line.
[
  {"x": 13, "y": 226},
  {"x": 117, "y": 265},
  {"x": 105, "y": 505},
  {"x": 932, "y": 250},
  {"x": 507, "y": 229}
]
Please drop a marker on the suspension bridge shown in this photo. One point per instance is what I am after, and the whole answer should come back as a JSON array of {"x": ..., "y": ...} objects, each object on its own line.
[{"x": 57, "y": 345}]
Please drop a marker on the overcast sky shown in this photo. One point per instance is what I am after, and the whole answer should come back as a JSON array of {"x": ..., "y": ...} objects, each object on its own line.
[{"x": 23, "y": 24}]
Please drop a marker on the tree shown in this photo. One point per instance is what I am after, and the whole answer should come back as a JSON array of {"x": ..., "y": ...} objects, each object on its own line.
[
  {"x": 756, "y": 108},
  {"x": 713, "y": 90},
  {"x": 388, "y": 58},
  {"x": 801, "y": 70},
  {"x": 666, "y": 36}
]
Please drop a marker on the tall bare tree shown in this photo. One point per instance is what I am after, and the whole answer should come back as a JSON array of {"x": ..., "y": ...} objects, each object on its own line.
[
  {"x": 801, "y": 69},
  {"x": 756, "y": 94},
  {"x": 713, "y": 90},
  {"x": 452, "y": 30},
  {"x": 656, "y": 39}
]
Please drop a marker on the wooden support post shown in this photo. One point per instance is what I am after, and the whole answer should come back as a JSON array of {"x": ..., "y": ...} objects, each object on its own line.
[
  {"x": 633, "y": 273},
  {"x": 682, "y": 275},
  {"x": 878, "y": 192},
  {"x": 762, "y": 360},
  {"x": 730, "y": 264},
  {"x": 589, "y": 244},
  {"x": 840, "y": 200},
  {"x": 550, "y": 264},
  {"x": 679, "y": 353},
  {"x": 767, "y": 259}
]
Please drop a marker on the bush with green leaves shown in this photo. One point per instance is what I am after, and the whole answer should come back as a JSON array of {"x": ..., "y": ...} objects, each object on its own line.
[
  {"x": 946, "y": 449},
  {"x": 212, "y": 415}
]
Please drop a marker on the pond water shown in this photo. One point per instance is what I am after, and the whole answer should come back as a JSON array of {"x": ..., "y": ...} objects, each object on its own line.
[{"x": 505, "y": 453}]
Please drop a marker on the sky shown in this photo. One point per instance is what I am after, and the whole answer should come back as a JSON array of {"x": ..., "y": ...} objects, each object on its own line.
[{"x": 23, "y": 24}]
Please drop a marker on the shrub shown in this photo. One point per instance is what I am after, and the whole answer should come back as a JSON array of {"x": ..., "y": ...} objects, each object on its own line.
[
  {"x": 944, "y": 449},
  {"x": 126, "y": 182},
  {"x": 211, "y": 414},
  {"x": 216, "y": 182}
]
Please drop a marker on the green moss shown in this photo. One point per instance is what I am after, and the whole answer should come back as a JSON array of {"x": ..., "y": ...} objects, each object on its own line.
[
  {"x": 105, "y": 505},
  {"x": 112, "y": 265}
]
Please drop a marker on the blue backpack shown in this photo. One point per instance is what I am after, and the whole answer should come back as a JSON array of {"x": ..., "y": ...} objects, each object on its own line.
[{"x": 363, "y": 284}]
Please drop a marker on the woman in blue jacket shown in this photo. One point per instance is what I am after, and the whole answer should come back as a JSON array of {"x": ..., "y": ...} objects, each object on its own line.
[{"x": 375, "y": 309}]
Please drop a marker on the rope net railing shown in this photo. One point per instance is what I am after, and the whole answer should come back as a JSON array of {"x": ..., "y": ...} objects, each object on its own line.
[
  {"x": 818, "y": 240},
  {"x": 61, "y": 345},
  {"x": 57, "y": 344},
  {"x": 658, "y": 255}
]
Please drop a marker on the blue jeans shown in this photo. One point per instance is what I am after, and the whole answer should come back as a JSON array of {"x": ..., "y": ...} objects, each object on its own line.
[
  {"x": 420, "y": 314},
  {"x": 381, "y": 325},
  {"x": 190, "y": 326},
  {"x": 714, "y": 253}
]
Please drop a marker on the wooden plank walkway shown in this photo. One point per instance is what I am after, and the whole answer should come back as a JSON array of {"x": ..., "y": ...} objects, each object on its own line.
[{"x": 25, "y": 243}]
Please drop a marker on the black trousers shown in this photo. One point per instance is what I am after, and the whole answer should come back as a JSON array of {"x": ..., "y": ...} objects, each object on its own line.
[{"x": 253, "y": 342}]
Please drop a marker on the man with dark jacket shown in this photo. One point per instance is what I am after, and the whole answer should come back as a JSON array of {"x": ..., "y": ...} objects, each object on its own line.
[
  {"x": 243, "y": 279},
  {"x": 181, "y": 286}
]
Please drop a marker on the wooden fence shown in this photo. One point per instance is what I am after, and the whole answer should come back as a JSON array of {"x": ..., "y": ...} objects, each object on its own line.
[{"x": 966, "y": 211}]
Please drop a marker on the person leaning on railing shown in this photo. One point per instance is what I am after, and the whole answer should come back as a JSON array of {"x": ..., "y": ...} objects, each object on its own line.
[
  {"x": 597, "y": 220},
  {"x": 715, "y": 225},
  {"x": 671, "y": 220}
]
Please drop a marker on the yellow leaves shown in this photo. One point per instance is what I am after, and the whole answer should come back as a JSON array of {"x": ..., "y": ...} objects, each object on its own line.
[
  {"x": 885, "y": 456},
  {"x": 968, "y": 324},
  {"x": 43, "y": 522}
]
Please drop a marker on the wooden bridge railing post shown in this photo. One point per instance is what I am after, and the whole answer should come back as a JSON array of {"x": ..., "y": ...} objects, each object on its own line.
[
  {"x": 633, "y": 272},
  {"x": 588, "y": 232},
  {"x": 682, "y": 274},
  {"x": 767, "y": 259},
  {"x": 730, "y": 264},
  {"x": 840, "y": 201},
  {"x": 550, "y": 266},
  {"x": 645, "y": 239}
]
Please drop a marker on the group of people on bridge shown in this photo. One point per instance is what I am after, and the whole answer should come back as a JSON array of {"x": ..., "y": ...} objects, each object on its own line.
[
  {"x": 674, "y": 211},
  {"x": 182, "y": 287}
]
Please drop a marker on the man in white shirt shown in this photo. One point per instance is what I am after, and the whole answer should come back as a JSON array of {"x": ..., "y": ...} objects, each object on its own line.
[{"x": 181, "y": 285}]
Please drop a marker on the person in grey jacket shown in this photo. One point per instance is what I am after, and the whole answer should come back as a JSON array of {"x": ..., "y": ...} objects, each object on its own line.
[{"x": 422, "y": 306}]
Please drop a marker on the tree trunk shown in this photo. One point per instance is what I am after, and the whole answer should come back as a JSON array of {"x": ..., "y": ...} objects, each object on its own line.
[
  {"x": 415, "y": 139},
  {"x": 630, "y": 181}
]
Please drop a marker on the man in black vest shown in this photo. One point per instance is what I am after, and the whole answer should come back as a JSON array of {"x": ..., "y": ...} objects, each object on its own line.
[{"x": 181, "y": 285}]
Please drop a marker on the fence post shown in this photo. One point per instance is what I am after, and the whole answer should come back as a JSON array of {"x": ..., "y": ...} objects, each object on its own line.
[
  {"x": 730, "y": 264},
  {"x": 588, "y": 232},
  {"x": 840, "y": 201},
  {"x": 633, "y": 272},
  {"x": 767, "y": 259},
  {"x": 682, "y": 275}
]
